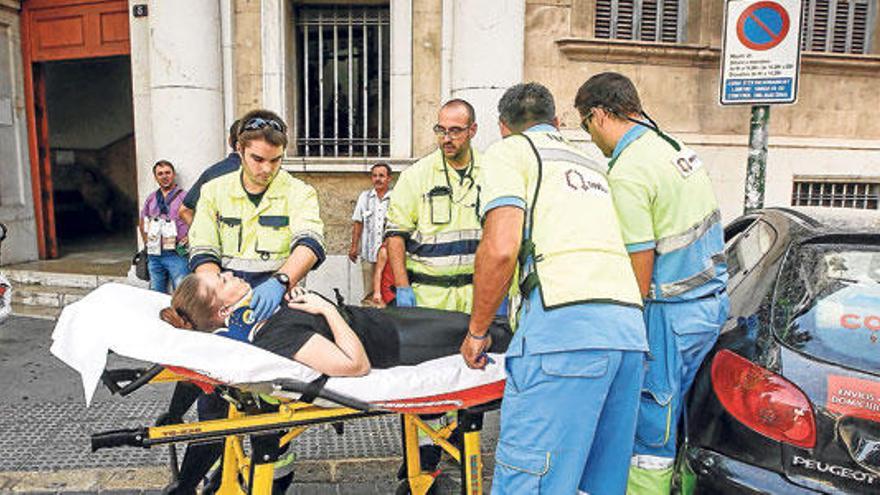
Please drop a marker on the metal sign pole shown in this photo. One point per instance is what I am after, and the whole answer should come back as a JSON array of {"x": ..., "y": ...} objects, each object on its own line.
[
  {"x": 760, "y": 65},
  {"x": 757, "y": 164}
]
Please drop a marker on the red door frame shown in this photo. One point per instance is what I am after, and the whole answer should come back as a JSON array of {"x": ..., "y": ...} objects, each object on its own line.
[{"x": 102, "y": 39}]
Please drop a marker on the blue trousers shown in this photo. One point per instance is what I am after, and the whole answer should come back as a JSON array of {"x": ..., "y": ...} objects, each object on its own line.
[
  {"x": 167, "y": 266},
  {"x": 567, "y": 421},
  {"x": 680, "y": 334}
]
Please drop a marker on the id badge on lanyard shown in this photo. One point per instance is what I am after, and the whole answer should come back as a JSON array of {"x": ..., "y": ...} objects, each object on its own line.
[
  {"x": 154, "y": 236},
  {"x": 169, "y": 235},
  {"x": 440, "y": 202}
]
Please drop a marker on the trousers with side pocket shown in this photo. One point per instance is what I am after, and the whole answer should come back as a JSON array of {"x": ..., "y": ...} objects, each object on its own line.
[
  {"x": 680, "y": 335},
  {"x": 567, "y": 420}
]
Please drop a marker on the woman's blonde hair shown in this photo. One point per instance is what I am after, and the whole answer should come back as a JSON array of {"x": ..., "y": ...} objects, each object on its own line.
[{"x": 192, "y": 306}]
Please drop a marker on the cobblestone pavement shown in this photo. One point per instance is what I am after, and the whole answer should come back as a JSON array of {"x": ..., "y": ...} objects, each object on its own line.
[{"x": 45, "y": 428}]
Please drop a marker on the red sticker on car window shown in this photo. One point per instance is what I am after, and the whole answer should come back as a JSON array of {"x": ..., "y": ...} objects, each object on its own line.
[{"x": 854, "y": 397}]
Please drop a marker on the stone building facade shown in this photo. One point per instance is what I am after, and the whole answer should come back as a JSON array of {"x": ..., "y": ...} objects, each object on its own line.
[{"x": 361, "y": 81}]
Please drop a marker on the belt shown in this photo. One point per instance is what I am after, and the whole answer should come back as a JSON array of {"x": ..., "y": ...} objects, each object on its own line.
[{"x": 459, "y": 280}]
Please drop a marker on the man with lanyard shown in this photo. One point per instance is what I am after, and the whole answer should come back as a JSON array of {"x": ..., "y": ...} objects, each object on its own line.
[
  {"x": 227, "y": 165},
  {"x": 432, "y": 229},
  {"x": 264, "y": 226},
  {"x": 574, "y": 366},
  {"x": 672, "y": 228},
  {"x": 368, "y": 226},
  {"x": 163, "y": 230}
]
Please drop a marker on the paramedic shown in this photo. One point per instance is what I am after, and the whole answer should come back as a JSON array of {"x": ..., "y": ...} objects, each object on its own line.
[
  {"x": 432, "y": 227},
  {"x": 574, "y": 366},
  {"x": 260, "y": 223},
  {"x": 227, "y": 165},
  {"x": 672, "y": 229}
]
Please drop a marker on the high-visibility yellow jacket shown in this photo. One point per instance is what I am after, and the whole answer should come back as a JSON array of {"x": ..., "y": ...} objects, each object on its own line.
[
  {"x": 572, "y": 248},
  {"x": 665, "y": 202},
  {"x": 434, "y": 209},
  {"x": 230, "y": 231}
]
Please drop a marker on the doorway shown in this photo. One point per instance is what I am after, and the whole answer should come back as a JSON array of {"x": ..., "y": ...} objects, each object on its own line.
[
  {"x": 80, "y": 125},
  {"x": 91, "y": 153}
]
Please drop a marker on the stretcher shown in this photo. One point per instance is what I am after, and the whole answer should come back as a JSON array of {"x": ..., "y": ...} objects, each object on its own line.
[{"x": 272, "y": 400}]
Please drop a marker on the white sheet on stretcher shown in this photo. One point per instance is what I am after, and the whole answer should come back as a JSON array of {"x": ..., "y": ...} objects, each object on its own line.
[{"x": 126, "y": 320}]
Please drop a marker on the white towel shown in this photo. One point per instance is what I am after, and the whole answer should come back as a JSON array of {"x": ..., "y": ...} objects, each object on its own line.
[{"x": 126, "y": 320}]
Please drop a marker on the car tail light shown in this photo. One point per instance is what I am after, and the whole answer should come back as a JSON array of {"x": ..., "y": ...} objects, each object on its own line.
[{"x": 763, "y": 400}]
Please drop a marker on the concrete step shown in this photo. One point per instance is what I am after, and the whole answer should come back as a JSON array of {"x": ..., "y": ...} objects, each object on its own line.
[
  {"x": 48, "y": 296},
  {"x": 76, "y": 280},
  {"x": 43, "y": 294},
  {"x": 41, "y": 312}
]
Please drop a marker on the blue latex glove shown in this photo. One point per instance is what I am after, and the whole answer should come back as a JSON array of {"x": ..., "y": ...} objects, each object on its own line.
[
  {"x": 267, "y": 296},
  {"x": 405, "y": 297}
]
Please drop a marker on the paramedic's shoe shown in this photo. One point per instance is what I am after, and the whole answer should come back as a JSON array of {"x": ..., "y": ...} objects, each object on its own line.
[{"x": 429, "y": 455}]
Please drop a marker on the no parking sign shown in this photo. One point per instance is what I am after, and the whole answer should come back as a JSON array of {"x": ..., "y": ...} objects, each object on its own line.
[{"x": 761, "y": 54}]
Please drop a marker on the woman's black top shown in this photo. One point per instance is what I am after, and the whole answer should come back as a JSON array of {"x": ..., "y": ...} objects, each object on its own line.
[{"x": 391, "y": 337}]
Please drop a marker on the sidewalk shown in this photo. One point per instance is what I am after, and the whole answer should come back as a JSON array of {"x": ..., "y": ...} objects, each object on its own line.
[{"x": 44, "y": 446}]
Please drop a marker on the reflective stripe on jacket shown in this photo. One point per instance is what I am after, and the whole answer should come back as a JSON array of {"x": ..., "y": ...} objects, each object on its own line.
[
  {"x": 230, "y": 231},
  {"x": 665, "y": 202},
  {"x": 434, "y": 209}
]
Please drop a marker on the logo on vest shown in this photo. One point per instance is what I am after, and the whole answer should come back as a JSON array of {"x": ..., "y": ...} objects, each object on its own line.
[{"x": 576, "y": 181}]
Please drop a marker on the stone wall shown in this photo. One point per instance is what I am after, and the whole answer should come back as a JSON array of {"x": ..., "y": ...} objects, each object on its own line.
[
  {"x": 16, "y": 200},
  {"x": 678, "y": 83},
  {"x": 247, "y": 55}
]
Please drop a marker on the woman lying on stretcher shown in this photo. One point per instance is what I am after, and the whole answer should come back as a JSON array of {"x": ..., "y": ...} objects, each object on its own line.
[{"x": 345, "y": 341}]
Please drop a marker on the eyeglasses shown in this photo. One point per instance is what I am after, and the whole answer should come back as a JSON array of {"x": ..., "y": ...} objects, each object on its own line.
[
  {"x": 585, "y": 122},
  {"x": 452, "y": 132},
  {"x": 257, "y": 123}
]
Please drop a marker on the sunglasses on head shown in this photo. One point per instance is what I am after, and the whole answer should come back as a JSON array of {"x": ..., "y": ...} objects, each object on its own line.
[{"x": 258, "y": 123}]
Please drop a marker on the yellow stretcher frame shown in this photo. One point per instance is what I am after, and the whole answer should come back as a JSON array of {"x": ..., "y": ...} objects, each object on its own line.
[{"x": 242, "y": 474}]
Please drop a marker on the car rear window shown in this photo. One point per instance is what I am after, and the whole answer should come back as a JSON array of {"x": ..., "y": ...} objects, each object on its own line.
[{"x": 827, "y": 303}]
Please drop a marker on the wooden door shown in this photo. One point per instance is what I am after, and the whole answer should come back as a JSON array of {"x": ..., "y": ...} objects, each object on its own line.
[{"x": 55, "y": 30}]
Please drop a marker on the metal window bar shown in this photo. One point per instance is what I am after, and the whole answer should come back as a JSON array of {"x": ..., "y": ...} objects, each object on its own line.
[
  {"x": 837, "y": 194},
  {"x": 350, "y": 57},
  {"x": 335, "y": 87},
  {"x": 321, "y": 80},
  {"x": 305, "y": 106},
  {"x": 379, "y": 71},
  {"x": 351, "y": 117},
  {"x": 366, "y": 97}
]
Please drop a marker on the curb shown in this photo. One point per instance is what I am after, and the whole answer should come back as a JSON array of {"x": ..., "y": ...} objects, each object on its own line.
[{"x": 153, "y": 479}]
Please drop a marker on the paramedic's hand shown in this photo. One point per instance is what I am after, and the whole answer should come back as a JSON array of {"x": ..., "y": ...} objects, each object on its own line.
[
  {"x": 267, "y": 297},
  {"x": 309, "y": 302},
  {"x": 474, "y": 351},
  {"x": 406, "y": 298}
]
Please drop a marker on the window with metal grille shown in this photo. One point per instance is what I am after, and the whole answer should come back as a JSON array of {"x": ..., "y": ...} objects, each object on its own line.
[
  {"x": 343, "y": 101},
  {"x": 837, "y": 194},
  {"x": 642, "y": 20},
  {"x": 839, "y": 26}
]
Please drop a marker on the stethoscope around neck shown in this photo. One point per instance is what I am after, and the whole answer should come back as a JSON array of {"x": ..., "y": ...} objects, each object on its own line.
[{"x": 467, "y": 177}]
